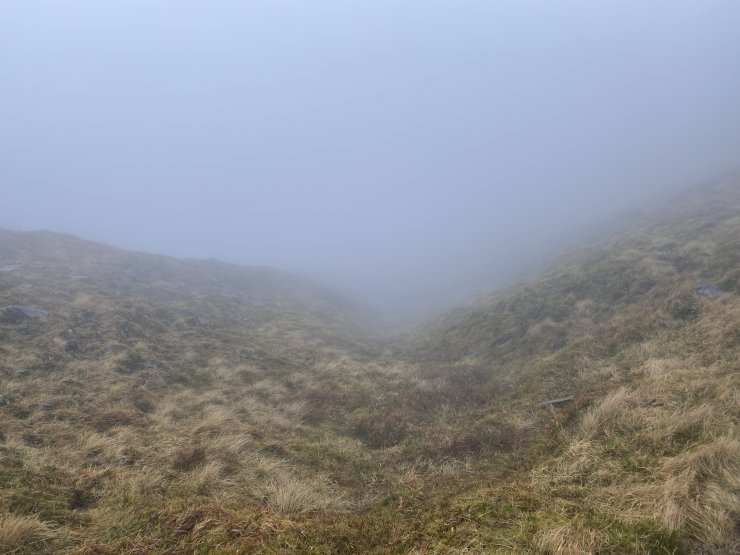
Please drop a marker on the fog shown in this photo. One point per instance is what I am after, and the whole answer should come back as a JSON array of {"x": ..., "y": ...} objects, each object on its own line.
[{"x": 408, "y": 152}]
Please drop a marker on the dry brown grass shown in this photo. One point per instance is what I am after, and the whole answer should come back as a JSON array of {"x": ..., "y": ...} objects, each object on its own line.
[
  {"x": 169, "y": 407},
  {"x": 608, "y": 415},
  {"x": 701, "y": 491},
  {"x": 288, "y": 494},
  {"x": 24, "y": 534},
  {"x": 568, "y": 540}
]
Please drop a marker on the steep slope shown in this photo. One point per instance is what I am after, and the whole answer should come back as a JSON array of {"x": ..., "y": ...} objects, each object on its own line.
[
  {"x": 168, "y": 406},
  {"x": 126, "y": 374},
  {"x": 67, "y": 275},
  {"x": 643, "y": 331},
  {"x": 657, "y": 264}
]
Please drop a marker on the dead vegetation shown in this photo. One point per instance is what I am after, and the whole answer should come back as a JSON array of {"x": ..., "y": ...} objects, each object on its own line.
[
  {"x": 20, "y": 534},
  {"x": 166, "y": 406}
]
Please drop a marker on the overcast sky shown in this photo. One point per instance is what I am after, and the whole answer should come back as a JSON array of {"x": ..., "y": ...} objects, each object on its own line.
[{"x": 409, "y": 150}]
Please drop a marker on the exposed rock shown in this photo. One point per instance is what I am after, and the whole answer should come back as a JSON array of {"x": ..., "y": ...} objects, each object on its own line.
[
  {"x": 15, "y": 314},
  {"x": 710, "y": 290}
]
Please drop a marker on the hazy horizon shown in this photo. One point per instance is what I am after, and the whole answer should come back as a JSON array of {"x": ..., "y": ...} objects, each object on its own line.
[{"x": 408, "y": 152}]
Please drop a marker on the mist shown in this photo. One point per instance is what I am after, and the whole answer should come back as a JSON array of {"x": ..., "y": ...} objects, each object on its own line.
[{"x": 408, "y": 153}]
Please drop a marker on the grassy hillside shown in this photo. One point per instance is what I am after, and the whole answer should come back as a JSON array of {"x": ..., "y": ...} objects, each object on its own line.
[
  {"x": 644, "y": 331},
  {"x": 173, "y": 406},
  {"x": 152, "y": 383}
]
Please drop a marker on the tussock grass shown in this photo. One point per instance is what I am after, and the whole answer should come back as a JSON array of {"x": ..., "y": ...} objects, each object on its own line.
[
  {"x": 167, "y": 406},
  {"x": 610, "y": 414},
  {"x": 287, "y": 494},
  {"x": 568, "y": 540},
  {"x": 701, "y": 492},
  {"x": 24, "y": 534}
]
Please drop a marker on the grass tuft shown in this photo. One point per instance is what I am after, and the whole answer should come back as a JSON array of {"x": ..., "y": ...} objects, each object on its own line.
[{"x": 24, "y": 534}]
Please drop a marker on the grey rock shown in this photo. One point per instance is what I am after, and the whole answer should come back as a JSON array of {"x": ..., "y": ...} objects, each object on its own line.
[
  {"x": 9, "y": 267},
  {"x": 15, "y": 314},
  {"x": 710, "y": 290}
]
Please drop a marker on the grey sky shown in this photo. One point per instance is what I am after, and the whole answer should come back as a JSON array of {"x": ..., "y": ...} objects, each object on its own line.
[{"x": 406, "y": 149}]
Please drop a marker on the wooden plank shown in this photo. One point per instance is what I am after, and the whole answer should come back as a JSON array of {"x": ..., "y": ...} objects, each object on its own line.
[{"x": 554, "y": 402}]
